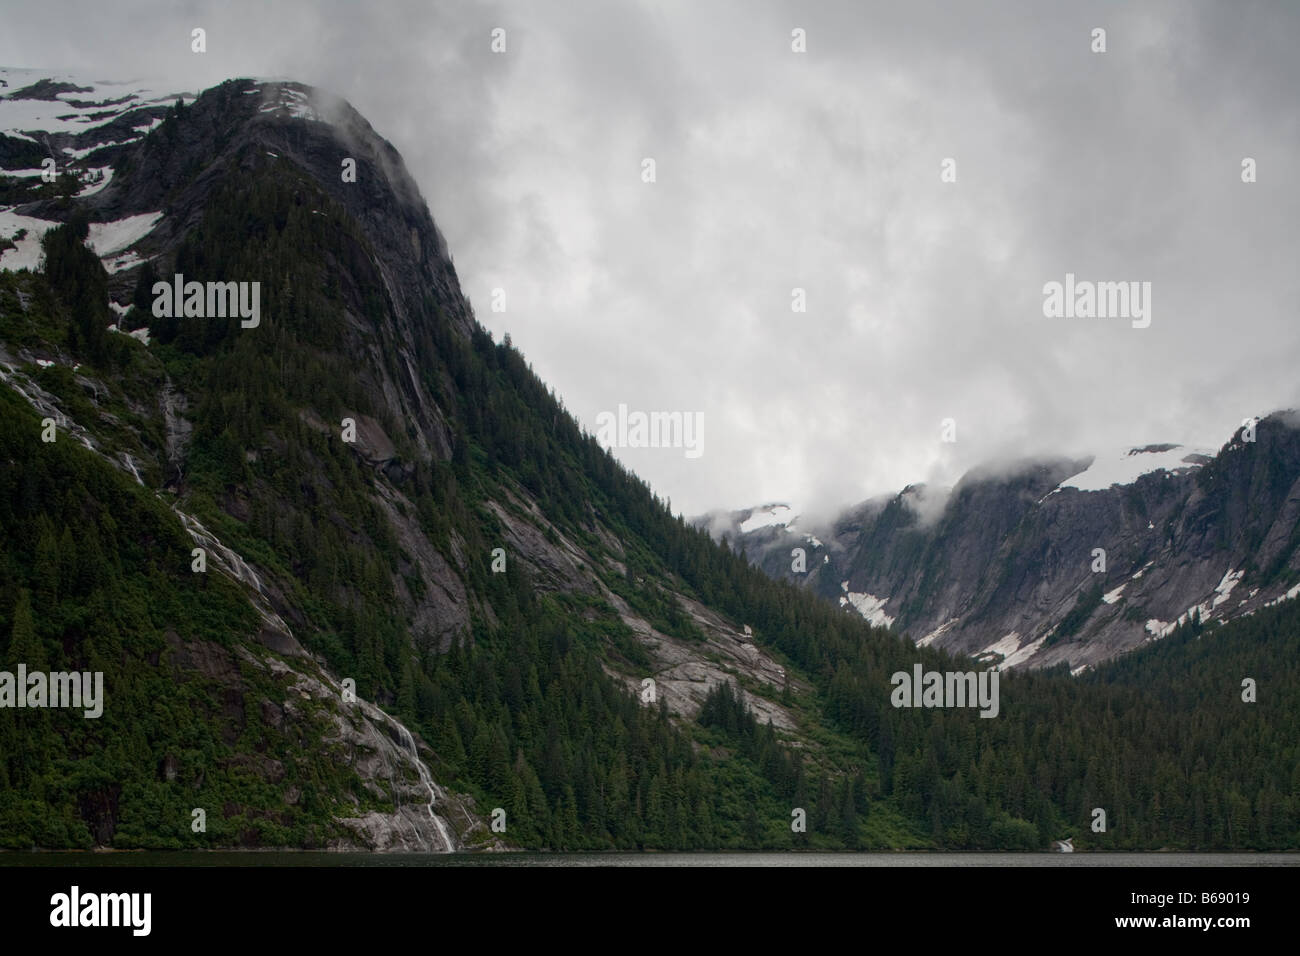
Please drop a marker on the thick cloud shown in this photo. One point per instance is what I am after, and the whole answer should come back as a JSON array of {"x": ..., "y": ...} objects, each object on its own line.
[{"x": 821, "y": 171}]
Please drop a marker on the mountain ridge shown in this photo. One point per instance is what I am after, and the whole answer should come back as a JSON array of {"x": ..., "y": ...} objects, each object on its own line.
[{"x": 1059, "y": 510}]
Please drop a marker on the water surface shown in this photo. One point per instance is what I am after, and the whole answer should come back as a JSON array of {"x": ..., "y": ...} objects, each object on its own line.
[{"x": 312, "y": 859}]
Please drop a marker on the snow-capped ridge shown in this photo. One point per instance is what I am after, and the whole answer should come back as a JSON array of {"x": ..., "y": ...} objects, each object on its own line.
[
  {"x": 1125, "y": 468},
  {"x": 769, "y": 516},
  {"x": 37, "y": 101}
]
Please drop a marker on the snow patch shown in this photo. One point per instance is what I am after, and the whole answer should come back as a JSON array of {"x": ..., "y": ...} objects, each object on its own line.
[
  {"x": 72, "y": 112},
  {"x": 109, "y": 237},
  {"x": 1110, "y": 597},
  {"x": 936, "y": 633},
  {"x": 1007, "y": 645},
  {"x": 1157, "y": 628},
  {"x": 128, "y": 260},
  {"x": 1160, "y": 629},
  {"x": 1124, "y": 469},
  {"x": 106, "y": 173},
  {"x": 1011, "y": 651},
  {"x": 1023, "y": 653},
  {"x": 1224, "y": 589},
  {"x": 83, "y": 153},
  {"x": 27, "y": 254},
  {"x": 1288, "y": 596},
  {"x": 767, "y": 517},
  {"x": 294, "y": 102},
  {"x": 141, "y": 335},
  {"x": 868, "y": 605}
]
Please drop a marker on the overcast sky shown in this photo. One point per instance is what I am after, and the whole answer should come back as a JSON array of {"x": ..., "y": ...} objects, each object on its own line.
[{"x": 822, "y": 171}]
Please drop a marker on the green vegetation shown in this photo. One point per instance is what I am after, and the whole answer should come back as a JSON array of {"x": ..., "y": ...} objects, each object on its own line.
[
  {"x": 520, "y": 705},
  {"x": 95, "y": 576},
  {"x": 1088, "y": 601}
]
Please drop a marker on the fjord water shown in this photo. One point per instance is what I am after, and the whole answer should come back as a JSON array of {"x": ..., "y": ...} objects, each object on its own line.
[{"x": 311, "y": 859}]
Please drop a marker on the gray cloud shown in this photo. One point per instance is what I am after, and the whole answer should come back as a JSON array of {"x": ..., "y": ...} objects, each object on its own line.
[{"x": 821, "y": 171}]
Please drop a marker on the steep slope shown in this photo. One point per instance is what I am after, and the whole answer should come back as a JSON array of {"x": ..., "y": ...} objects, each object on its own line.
[
  {"x": 1052, "y": 561},
  {"x": 355, "y": 458}
]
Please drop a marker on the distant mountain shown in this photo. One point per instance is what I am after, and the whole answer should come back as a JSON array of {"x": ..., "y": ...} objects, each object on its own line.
[{"x": 1008, "y": 566}]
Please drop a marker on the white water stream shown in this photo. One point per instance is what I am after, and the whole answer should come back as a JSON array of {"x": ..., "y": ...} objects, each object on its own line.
[
  {"x": 408, "y": 743},
  {"x": 130, "y": 464}
]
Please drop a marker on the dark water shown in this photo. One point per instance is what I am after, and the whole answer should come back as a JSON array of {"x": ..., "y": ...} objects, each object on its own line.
[{"x": 280, "y": 859}]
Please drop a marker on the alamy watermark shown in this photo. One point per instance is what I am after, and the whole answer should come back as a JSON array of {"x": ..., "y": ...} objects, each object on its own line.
[
  {"x": 1084, "y": 299},
  {"x": 214, "y": 300},
  {"x": 75, "y": 909},
  {"x": 626, "y": 429},
  {"x": 57, "y": 689},
  {"x": 946, "y": 689}
]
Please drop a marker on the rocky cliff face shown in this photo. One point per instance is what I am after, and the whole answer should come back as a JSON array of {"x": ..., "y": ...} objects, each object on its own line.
[
  {"x": 151, "y": 170},
  {"x": 1047, "y": 562}
]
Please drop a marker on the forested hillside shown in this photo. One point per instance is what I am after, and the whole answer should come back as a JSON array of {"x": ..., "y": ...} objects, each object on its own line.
[{"x": 377, "y": 556}]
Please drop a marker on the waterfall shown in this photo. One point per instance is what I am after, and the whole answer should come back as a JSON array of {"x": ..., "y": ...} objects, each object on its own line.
[
  {"x": 408, "y": 744},
  {"x": 234, "y": 565},
  {"x": 238, "y": 568},
  {"x": 130, "y": 464},
  {"x": 44, "y": 404}
]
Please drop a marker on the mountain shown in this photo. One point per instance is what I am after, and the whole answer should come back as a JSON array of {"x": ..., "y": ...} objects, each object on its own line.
[
  {"x": 354, "y": 577},
  {"x": 1042, "y": 562},
  {"x": 398, "y": 500}
]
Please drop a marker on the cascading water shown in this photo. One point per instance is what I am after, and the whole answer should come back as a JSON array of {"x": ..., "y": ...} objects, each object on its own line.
[
  {"x": 240, "y": 569},
  {"x": 408, "y": 744},
  {"x": 234, "y": 565},
  {"x": 130, "y": 464}
]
